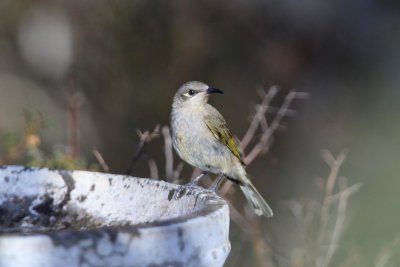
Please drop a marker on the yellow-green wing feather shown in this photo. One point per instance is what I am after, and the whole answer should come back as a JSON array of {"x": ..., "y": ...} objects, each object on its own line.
[{"x": 217, "y": 126}]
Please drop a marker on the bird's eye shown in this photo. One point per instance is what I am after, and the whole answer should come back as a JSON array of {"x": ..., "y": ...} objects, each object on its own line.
[{"x": 190, "y": 93}]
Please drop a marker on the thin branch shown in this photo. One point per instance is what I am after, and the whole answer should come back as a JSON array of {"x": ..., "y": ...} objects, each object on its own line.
[
  {"x": 196, "y": 172},
  {"x": 262, "y": 144},
  {"x": 153, "y": 168},
  {"x": 177, "y": 171},
  {"x": 101, "y": 160},
  {"x": 351, "y": 190},
  {"x": 237, "y": 218},
  {"x": 227, "y": 188},
  {"x": 260, "y": 247},
  {"x": 274, "y": 110},
  {"x": 387, "y": 252},
  {"x": 169, "y": 159},
  {"x": 144, "y": 138},
  {"x": 339, "y": 224},
  {"x": 260, "y": 113},
  {"x": 334, "y": 165},
  {"x": 264, "y": 124},
  {"x": 252, "y": 228},
  {"x": 259, "y": 120}
]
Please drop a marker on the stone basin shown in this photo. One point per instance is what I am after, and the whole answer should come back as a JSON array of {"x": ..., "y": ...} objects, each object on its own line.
[{"x": 81, "y": 218}]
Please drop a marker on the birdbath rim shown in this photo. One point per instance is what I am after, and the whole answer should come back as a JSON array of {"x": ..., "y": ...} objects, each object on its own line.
[{"x": 214, "y": 201}]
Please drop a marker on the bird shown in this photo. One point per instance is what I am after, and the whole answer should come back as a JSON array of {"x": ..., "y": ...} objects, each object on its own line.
[{"x": 201, "y": 137}]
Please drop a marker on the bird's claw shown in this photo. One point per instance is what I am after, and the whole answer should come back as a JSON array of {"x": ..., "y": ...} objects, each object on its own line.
[{"x": 182, "y": 189}]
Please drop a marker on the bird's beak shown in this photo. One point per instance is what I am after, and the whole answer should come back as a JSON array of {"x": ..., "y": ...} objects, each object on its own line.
[{"x": 211, "y": 90}]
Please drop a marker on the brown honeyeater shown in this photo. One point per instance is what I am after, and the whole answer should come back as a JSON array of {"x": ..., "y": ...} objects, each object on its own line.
[{"x": 201, "y": 138}]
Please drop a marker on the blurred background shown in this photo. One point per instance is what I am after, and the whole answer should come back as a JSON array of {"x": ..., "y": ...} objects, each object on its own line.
[{"x": 75, "y": 75}]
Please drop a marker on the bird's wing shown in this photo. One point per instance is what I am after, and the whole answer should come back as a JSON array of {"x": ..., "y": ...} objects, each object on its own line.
[{"x": 217, "y": 125}]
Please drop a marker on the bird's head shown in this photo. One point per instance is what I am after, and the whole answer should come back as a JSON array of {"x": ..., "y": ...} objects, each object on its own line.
[{"x": 194, "y": 93}]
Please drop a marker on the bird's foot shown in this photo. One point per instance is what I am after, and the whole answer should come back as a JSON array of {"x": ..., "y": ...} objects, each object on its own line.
[{"x": 182, "y": 189}]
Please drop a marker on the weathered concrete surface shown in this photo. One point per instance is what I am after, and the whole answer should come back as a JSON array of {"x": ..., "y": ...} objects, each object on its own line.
[{"x": 78, "y": 218}]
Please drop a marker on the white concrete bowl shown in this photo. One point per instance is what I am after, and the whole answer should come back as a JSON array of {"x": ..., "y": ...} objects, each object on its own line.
[{"x": 80, "y": 218}]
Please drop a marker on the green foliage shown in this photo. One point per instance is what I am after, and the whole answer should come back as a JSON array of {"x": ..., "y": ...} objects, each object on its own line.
[
  {"x": 8, "y": 141},
  {"x": 25, "y": 148}
]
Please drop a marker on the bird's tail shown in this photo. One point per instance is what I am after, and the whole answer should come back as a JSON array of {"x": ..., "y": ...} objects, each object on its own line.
[{"x": 255, "y": 199}]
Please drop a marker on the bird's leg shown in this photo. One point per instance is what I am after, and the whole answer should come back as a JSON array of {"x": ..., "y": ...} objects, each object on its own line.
[{"x": 217, "y": 182}]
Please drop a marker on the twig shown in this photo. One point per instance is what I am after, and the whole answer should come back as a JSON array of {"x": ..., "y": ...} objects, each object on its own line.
[
  {"x": 334, "y": 165},
  {"x": 274, "y": 110},
  {"x": 237, "y": 218},
  {"x": 268, "y": 130},
  {"x": 144, "y": 138},
  {"x": 339, "y": 223},
  {"x": 196, "y": 172},
  {"x": 226, "y": 188},
  {"x": 177, "y": 171},
  {"x": 262, "y": 144},
  {"x": 169, "y": 159},
  {"x": 387, "y": 253},
  {"x": 101, "y": 160},
  {"x": 260, "y": 113},
  {"x": 264, "y": 124},
  {"x": 260, "y": 247},
  {"x": 153, "y": 169},
  {"x": 351, "y": 190},
  {"x": 253, "y": 229}
]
